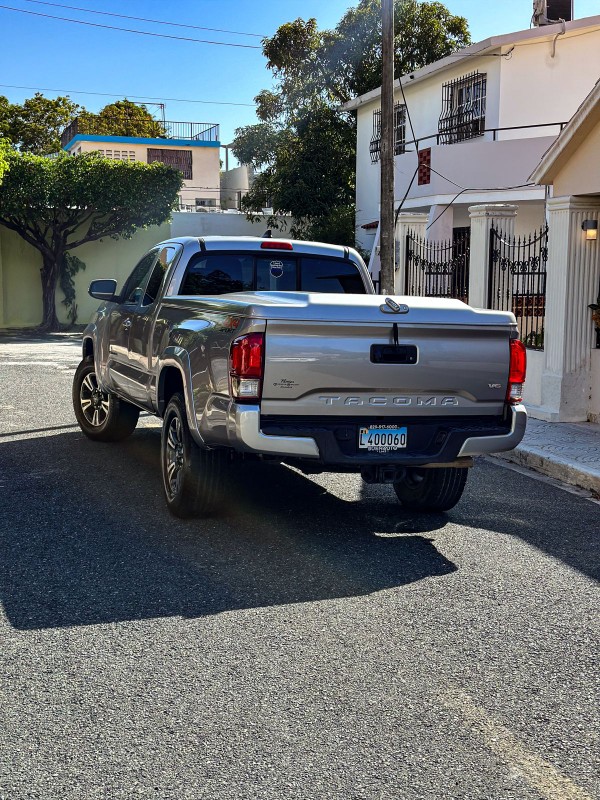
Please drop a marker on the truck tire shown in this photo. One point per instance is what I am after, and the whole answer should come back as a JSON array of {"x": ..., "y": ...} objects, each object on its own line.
[
  {"x": 431, "y": 489},
  {"x": 102, "y": 416},
  {"x": 193, "y": 478}
]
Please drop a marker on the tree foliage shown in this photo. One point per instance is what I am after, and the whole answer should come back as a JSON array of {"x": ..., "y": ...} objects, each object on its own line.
[
  {"x": 35, "y": 125},
  {"x": 58, "y": 204},
  {"x": 4, "y": 149},
  {"x": 303, "y": 144},
  {"x": 123, "y": 118}
]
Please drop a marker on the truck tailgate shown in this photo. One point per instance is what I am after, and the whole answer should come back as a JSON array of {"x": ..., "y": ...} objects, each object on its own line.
[{"x": 384, "y": 368}]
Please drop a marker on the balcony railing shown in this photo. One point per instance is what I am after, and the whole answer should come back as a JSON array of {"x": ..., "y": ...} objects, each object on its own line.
[
  {"x": 101, "y": 126},
  {"x": 438, "y": 138}
]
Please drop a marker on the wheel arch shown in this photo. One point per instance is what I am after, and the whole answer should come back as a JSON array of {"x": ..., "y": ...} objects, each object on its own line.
[
  {"x": 170, "y": 381},
  {"x": 87, "y": 347}
]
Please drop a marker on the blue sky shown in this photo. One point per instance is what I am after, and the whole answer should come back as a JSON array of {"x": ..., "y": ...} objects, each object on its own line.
[{"x": 50, "y": 54}]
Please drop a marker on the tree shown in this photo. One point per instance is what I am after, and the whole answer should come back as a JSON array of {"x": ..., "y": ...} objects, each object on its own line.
[
  {"x": 4, "y": 149},
  {"x": 122, "y": 118},
  {"x": 304, "y": 145},
  {"x": 302, "y": 180},
  {"x": 423, "y": 32},
  {"x": 36, "y": 125},
  {"x": 58, "y": 204}
]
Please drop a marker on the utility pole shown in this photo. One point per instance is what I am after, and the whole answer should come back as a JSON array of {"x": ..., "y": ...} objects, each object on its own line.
[{"x": 386, "y": 221}]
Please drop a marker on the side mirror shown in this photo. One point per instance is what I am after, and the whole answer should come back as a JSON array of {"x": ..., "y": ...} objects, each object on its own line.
[{"x": 103, "y": 289}]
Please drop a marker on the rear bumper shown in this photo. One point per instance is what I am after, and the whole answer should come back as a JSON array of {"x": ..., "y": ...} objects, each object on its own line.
[
  {"x": 245, "y": 434},
  {"x": 332, "y": 442},
  {"x": 482, "y": 445}
]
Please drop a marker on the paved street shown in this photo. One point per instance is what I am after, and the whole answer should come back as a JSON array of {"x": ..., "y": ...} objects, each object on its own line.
[{"x": 317, "y": 642}]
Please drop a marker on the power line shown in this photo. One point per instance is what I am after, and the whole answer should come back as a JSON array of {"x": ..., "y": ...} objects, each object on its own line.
[
  {"x": 131, "y": 30},
  {"x": 145, "y": 19},
  {"x": 126, "y": 94}
]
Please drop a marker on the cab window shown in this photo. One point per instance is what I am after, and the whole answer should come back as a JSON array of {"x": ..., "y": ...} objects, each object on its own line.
[
  {"x": 166, "y": 256},
  {"x": 133, "y": 291},
  {"x": 330, "y": 275},
  {"x": 219, "y": 274}
]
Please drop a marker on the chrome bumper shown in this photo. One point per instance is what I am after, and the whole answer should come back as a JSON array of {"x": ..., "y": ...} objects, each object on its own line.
[
  {"x": 482, "y": 445},
  {"x": 244, "y": 433}
]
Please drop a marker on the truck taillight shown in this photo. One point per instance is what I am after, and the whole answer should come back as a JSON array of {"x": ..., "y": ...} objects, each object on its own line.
[
  {"x": 246, "y": 357},
  {"x": 516, "y": 372}
]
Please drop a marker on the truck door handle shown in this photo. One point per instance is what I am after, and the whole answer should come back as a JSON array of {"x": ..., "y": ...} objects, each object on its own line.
[{"x": 127, "y": 324}]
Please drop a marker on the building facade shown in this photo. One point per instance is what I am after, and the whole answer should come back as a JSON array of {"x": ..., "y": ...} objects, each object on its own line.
[
  {"x": 482, "y": 118},
  {"x": 191, "y": 147}
]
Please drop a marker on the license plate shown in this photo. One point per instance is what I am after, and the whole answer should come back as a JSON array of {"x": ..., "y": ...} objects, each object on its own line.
[{"x": 382, "y": 438}]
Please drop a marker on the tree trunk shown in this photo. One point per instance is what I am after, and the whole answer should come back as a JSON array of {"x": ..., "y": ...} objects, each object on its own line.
[{"x": 49, "y": 275}]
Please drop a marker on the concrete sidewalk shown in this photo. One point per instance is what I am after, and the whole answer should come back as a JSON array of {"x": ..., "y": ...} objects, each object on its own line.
[{"x": 569, "y": 452}]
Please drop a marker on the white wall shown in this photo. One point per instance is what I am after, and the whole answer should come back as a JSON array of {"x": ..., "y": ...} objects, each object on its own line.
[
  {"x": 224, "y": 224},
  {"x": 536, "y": 88},
  {"x": 532, "y": 393},
  {"x": 530, "y": 218}
]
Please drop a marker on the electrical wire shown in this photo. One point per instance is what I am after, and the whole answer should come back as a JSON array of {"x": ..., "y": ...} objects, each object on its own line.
[
  {"x": 145, "y": 19},
  {"x": 126, "y": 94},
  {"x": 132, "y": 30},
  {"x": 470, "y": 189}
]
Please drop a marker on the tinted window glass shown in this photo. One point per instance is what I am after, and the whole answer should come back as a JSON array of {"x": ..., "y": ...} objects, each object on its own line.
[
  {"x": 276, "y": 274},
  {"x": 219, "y": 274},
  {"x": 330, "y": 275},
  {"x": 165, "y": 258},
  {"x": 133, "y": 291}
]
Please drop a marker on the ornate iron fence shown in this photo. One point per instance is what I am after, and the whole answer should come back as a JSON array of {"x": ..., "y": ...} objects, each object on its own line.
[
  {"x": 438, "y": 269},
  {"x": 517, "y": 281}
]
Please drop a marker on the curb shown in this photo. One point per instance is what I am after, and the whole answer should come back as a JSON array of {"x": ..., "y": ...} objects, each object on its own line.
[{"x": 555, "y": 467}]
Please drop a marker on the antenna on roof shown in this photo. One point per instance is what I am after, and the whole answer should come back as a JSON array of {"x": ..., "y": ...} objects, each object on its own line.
[{"x": 267, "y": 234}]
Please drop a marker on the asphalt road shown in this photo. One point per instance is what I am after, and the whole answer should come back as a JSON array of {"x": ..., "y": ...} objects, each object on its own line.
[{"x": 317, "y": 642}]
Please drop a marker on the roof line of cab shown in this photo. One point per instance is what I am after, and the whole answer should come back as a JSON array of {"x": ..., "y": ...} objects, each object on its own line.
[{"x": 268, "y": 245}]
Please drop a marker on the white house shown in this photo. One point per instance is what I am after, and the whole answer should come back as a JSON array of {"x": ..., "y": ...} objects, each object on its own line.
[
  {"x": 482, "y": 118},
  {"x": 191, "y": 147}
]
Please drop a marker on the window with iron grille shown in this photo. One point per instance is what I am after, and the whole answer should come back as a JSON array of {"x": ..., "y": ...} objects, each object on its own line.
[
  {"x": 463, "y": 108},
  {"x": 399, "y": 132},
  {"x": 399, "y": 129},
  {"x": 180, "y": 159}
]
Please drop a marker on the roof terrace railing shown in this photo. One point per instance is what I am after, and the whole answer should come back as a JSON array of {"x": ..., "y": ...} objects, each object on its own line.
[{"x": 101, "y": 126}]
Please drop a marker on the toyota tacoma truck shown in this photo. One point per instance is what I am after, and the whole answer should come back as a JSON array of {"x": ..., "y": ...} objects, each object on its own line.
[{"x": 275, "y": 349}]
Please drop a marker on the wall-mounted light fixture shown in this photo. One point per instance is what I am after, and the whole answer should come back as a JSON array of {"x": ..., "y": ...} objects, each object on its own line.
[{"x": 590, "y": 226}]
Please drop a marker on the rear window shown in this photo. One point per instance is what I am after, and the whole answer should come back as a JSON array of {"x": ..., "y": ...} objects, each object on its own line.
[
  {"x": 219, "y": 274},
  {"x": 222, "y": 273},
  {"x": 330, "y": 275},
  {"x": 276, "y": 274}
]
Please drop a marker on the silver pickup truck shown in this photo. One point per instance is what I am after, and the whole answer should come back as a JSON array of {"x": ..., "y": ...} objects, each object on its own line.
[{"x": 260, "y": 348}]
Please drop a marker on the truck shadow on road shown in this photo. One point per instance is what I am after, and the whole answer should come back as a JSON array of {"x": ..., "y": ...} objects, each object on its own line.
[{"x": 86, "y": 539}]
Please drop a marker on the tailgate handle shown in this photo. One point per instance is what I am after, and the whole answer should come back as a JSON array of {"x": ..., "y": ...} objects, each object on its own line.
[{"x": 393, "y": 354}]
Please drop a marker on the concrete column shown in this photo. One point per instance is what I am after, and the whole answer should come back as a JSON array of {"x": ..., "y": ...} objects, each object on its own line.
[
  {"x": 573, "y": 275},
  {"x": 502, "y": 215},
  {"x": 415, "y": 223}
]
